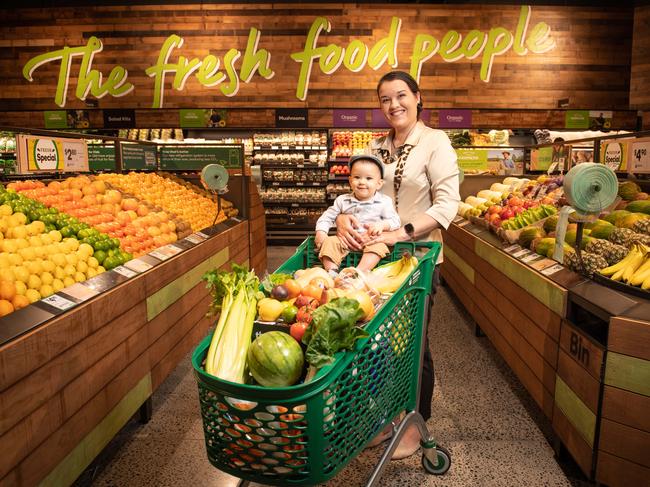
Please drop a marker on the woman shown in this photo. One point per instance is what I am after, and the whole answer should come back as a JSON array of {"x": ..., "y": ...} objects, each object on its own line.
[{"x": 421, "y": 176}]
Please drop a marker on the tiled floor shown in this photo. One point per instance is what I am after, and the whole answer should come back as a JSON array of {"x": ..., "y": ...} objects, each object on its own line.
[{"x": 496, "y": 434}]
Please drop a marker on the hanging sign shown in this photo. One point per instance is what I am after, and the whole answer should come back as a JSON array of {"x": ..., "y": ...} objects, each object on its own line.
[
  {"x": 349, "y": 118},
  {"x": 291, "y": 118},
  {"x": 190, "y": 157},
  {"x": 461, "y": 119},
  {"x": 55, "y": 119},
  {"x": 138, "y": 156},
  {"x": 117, "y": 119},
  {"x": 49, "y": 154},
  {"x": 576, "y": 119}
]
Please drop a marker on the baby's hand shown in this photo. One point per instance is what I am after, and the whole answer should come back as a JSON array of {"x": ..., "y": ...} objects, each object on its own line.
[
  {"x": 375, "y": 229},
  {"x": 319, "y": 239}
]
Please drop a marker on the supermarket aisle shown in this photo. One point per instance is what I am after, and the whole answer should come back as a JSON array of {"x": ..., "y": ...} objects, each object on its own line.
[{"x": 481, "y": 414}]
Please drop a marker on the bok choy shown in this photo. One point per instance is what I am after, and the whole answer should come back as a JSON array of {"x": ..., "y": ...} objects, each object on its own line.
[{"x": 234, "y": 298}]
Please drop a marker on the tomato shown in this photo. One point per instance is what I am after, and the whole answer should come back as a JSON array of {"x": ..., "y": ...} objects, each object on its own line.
[
  {"x": 293, "y": 288},
  {"x": 304, "y": 314},
  {"x": 297, "y": 330},
  {"x": 312, "y": 291}
]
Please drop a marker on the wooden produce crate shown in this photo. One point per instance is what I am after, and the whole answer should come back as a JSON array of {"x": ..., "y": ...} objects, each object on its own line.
[{"x": 69, "y": 385}]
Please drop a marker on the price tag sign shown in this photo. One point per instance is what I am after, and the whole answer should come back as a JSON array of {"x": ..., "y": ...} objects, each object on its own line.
[
  {"x": 195, "y": 238},
  {"x": 639, "y": 156},
  {"x": 529, "y": 258},
  {"x": 138, "y": 265},
  {"x": 59, "y": 302},
  {"x": 75, "y": 154},
  {"x": 285, "y": 147},
  {"x": 125, "y": 271},
  {"x": 540, "y": 265},
  {"x": 166, "y": 252},
  {"x": 201, "y": 234},
  {"x": 521, "y": 253},
  {"x": 554, "y": 269},
  {"x": 464, "y": 223},
  {"x": 80, "y": 292},
  {"x": 512, "y": 249}
]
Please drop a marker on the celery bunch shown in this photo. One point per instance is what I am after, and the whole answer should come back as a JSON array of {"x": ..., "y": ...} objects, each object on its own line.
[{"x": 234, "y": 297}]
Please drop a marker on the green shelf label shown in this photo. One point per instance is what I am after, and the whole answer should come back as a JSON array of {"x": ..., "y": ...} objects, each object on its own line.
[
  {"x": 194, "y": 158},
  {"x": 138, "y": 156},
  {"x": 101, "y": 157}
]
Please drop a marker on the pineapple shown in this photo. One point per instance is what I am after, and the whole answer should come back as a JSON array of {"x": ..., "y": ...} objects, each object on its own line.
[
  {"x": 622, "y": 236},
  {"x": 642, "y": 226},
  {"x": 592, "y": 263},
  {"x": 611, "y": 252}
]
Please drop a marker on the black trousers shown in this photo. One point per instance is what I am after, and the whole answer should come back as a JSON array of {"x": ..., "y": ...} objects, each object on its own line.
[{"x": 427, "y": 375}]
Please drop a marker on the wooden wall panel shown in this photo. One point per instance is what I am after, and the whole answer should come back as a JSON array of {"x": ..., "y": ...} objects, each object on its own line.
[
  {"x": 585, "y": 66},
  {"x": 640, "y": 72}
]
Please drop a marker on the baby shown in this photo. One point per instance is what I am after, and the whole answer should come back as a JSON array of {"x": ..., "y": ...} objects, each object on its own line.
[{"x": 373, "y": 210}]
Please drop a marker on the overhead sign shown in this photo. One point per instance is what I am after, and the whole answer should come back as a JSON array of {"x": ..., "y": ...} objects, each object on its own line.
[
  {"x": 459, "y": 119},
  {"x": 194, "y": 157},
  {"x": 576, "y": 119},
  {"x": 349, "y": 118},
  {"x": 138, "y": 156},
  {"x": 55, "y": 119},
  {"x": 118, "y": 119},
  {"x": 50, "y": 154},
  {"x": 291, "y": 118}
]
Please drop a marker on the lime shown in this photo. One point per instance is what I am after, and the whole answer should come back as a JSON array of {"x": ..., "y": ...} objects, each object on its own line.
[
  {"x": 100, "y": 255},
  {"x": 289, "y": 314}
]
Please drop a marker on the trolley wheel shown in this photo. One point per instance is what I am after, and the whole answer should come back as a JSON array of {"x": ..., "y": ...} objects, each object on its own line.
[{"x": 443, "y": 462}]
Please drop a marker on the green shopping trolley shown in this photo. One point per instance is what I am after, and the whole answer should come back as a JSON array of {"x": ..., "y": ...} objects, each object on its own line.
[{"x": 305, "y": 434}]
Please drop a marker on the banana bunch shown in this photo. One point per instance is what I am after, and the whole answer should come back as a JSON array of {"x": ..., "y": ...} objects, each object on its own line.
[
  {"x": 634, "y": 269},
  {"x": 389, "y": 277}
]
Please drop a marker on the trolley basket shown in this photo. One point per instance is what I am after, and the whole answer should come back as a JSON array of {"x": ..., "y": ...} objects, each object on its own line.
[{"x": 306, "y": 433}]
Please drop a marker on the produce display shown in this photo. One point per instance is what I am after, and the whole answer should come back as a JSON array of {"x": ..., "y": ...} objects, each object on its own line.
[
  {"x": 307, "y": 310},
  {"x": 614, "y": 244},
  {"x": 346, "y": 143},
  {"x": 183, "y": 201},
  {"x": 66, "y": 231}
]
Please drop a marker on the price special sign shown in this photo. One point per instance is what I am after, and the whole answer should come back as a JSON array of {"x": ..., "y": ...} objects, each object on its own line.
[
  {"x": 639, "y": 156},
  {"x": 49, "y": 154}
]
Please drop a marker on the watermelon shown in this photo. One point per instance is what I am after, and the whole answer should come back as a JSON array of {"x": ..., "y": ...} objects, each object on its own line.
[{"x": 275, "y": 359}]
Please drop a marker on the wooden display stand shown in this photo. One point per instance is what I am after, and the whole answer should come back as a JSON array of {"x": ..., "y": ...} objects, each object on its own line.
[{"x": 581, "y": 350}]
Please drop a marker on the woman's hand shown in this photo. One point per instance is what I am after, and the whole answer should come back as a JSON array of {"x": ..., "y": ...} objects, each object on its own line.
[
  {"x": 391, "y": 238},
  {"x": 346, "y": 226}
]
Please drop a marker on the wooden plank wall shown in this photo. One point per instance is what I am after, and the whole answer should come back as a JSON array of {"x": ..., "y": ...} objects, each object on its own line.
[
  {"x": 257, "y": 231},
  {"x": 640, "y": 69},
  {"x": 60, "y": 382},
  {"x": 587, "y": 66}
]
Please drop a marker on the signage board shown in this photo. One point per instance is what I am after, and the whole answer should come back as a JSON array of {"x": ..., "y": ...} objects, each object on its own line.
[
  {"x": 600, "y": 119},
  {"x": 639, "y": 156},
  {"x": 55, "y": 119},
  {"x": 472, "y": 159},
  {"x": 138, "y": 156},
  {"x": 291, "y": 118},
  {"x": 101, "y": 157},
  {"x": 51, "y": 154},
  {"x": 190, "y": 157},
  {"x": 459, "y": 119},
  {"x": 117, "y": 119},
  {"x": 193, "y": 117},
  {"x": 540, "y": 159},
  {"x": 613, "y": 153},
  {"x": 576, "y": 119},
  {"x": 349, "y": 118}
]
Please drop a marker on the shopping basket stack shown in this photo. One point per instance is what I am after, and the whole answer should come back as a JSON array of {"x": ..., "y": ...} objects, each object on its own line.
[{"x": 306, "y": 433}]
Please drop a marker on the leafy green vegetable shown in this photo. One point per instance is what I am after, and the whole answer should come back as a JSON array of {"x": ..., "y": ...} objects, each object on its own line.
[
  {"x": 234, "y": 296},
  {"x": 272, "y": 280},
  {"x": 332, "y": 329}
]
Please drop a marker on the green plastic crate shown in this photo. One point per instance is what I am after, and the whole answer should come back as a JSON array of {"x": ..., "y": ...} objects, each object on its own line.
[{"x": 305, "y": 434}]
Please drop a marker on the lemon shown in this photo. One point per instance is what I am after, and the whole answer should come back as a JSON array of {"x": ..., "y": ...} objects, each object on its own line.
[
  {"x": 86, "y": 249},
  {"x": 55, "y": 235},
  {"x": 48, "y": 266},
  {"x": 91, "y": 272},
  {"x": 45, "y": 239},
  {"x": 8, "y": 274},
  {"x": 46, "y": 278},
  {"x": 92, "y": 263},
  {"x": 72, "y": 259},
  {"x": 59, "y": 259},
  {"x": 34, "y": 282},
  {"x": 33, "y": 295},
  {"x": 82, "y": 266},
  {"x": 28, "y": 253},
  {"x": 5, "y": 210},
  {"x": 20, "y": 231},
  {"x": 32, "y": 229},
  {"x": 34, "y": 266},
  {"x": 57, "y": 285},
  {"x": 100, "y": 269},
  {"x": 59, "y": 273},
  {"x": 79, "y": 276},
  {"x": 69, "y": 270},
  {"x": 4, "y": 260},
  {"x": 21, "y": 288},
  {"x": 16, "y": 259},
  {"x": 68, "y": 281},
  {"x": 39, "y": 225},
  {"x": 46, "y": 290},
  {"x": 72, "y": 243},
  {"x": 22, "y": 243},
  {"x": 21, "y": 273},
  {"x": 9, "y": 246}
]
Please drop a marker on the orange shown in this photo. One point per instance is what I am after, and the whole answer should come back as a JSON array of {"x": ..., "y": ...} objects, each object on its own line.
[
  {"x": 5, "y": 307},
  {"x": 20, "y": 301},
  {"x": 7, "y": 290}
]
